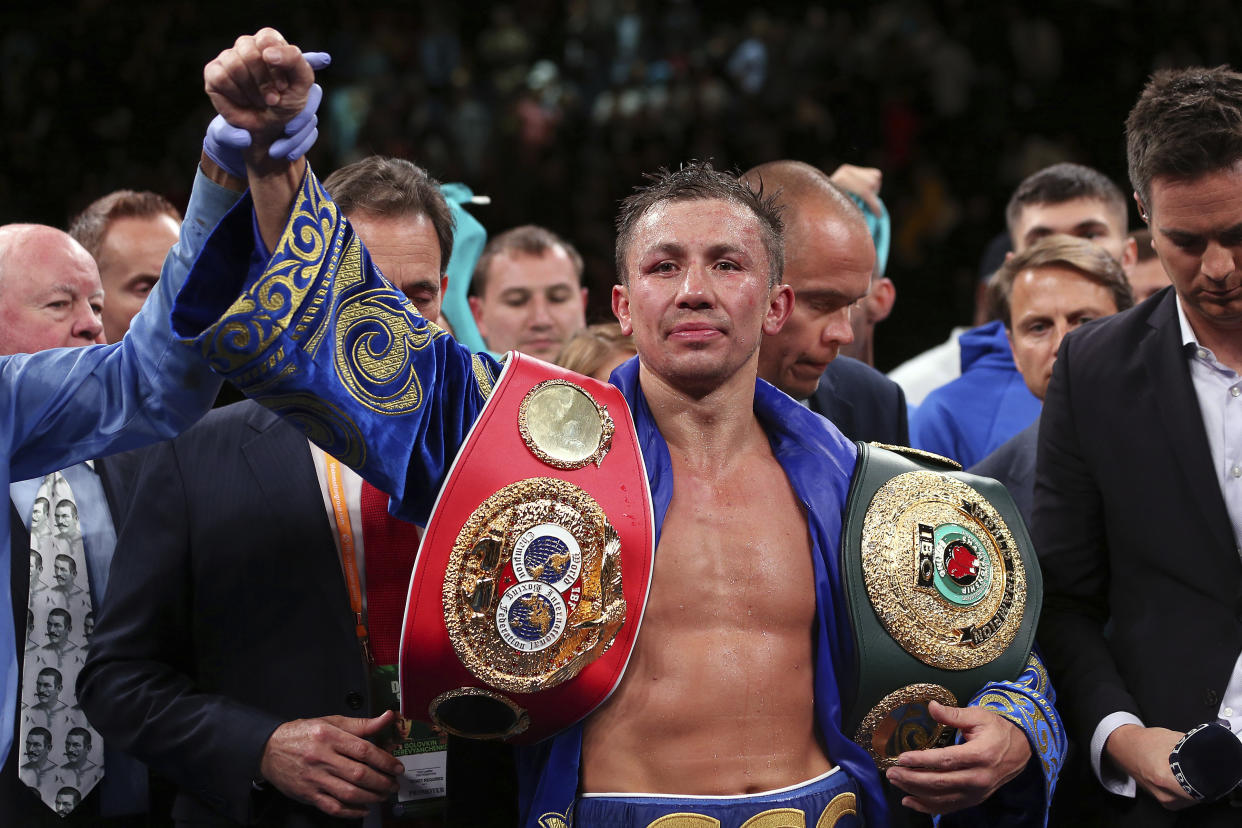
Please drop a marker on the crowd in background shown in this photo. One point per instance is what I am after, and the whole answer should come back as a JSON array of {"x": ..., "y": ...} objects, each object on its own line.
[{"x": 555, "y": 109}]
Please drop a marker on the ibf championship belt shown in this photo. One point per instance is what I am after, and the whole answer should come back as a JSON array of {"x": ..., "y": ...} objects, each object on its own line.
[
  {"x": 533, "y": 574},
  {"x": 944, "y": 592}
]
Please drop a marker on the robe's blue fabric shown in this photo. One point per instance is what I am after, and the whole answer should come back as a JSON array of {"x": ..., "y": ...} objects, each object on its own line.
[
  {"x": 320, "y": 337},
  {"x": 65, "y": 405}
]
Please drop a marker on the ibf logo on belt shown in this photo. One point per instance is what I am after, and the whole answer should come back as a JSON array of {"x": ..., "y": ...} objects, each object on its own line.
[{"x": 532, "y": 613}]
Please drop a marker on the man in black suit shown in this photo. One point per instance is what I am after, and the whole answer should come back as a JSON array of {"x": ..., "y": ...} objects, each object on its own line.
[
  {"x": 229, "y": 657},
  {"x": 1138, "y": 518},
  {"x": 829, "y": 262}
]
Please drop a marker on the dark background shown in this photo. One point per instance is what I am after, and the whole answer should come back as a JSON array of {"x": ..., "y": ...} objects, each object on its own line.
[{"x": 556, "y": 108}]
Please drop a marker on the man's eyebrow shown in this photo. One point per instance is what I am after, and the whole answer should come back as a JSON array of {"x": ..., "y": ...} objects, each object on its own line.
[
  {"x": 668, "y": 248},
  {"x": 1228, "y": 231},
  {"x": 515, "y": 292},
  {"x": 723, "y": 249}
]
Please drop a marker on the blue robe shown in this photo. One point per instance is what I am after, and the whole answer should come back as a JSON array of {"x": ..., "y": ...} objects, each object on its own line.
[{"x": 321, "y": 338}]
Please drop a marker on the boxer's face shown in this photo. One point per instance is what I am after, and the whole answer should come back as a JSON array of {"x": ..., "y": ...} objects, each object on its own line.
[{"x": 697, "y": 297}]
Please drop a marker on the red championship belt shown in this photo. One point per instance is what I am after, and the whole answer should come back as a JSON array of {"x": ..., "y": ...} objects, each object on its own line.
[{"x": 533, "y": 574}]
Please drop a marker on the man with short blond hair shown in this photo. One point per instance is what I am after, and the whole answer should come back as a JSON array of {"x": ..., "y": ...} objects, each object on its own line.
[{"x": 1041, "y": 294}]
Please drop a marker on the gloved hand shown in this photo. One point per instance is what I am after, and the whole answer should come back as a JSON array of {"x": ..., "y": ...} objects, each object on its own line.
[{"x": 224, "y": 142}]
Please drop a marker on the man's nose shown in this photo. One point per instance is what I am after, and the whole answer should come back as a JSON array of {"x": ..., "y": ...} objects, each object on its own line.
[
  {"x": 837, "y": 328},
  {"x": 695, "y": 288},
  {"x": 88, "y": 325},
  {"x": 1217, "y": 261}
]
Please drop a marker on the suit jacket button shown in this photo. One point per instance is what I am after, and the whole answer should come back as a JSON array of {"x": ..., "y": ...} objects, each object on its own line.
[
  {"x": 354, "y": 699},
  {"x": 1211, "y": 698}
]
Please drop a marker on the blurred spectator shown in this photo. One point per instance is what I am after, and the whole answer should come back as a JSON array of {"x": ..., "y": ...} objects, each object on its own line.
[
  {"x": 128, "y": 233},
  {"x": 527, "y": 293},
  {"x": 1147, "y": 276},
  {"x": 596, "y": 350}
]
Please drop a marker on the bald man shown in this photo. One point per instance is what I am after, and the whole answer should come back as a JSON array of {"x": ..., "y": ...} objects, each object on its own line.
[
  {"x": 829, "y": 263},
  {"x": 50, "y": 293}
]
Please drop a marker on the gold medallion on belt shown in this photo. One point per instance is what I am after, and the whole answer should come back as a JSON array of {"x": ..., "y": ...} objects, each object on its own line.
[
  {"x": 942, "y": 571},
  {"x": 533, "y": 591}
]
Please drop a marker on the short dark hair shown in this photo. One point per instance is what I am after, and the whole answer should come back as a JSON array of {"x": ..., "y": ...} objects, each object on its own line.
[
  {"x": 42, "y": 731},
  {"x": 73, "y": 565},
  {"x": 699, "y": 181},
  {"x": 528, "y": 239},
  {"x": 58, "y": 612},
  {"x": 1186, "y": 122},
  {"x": 90, "y": 226},
  {"x": 1065, "y": 182},
  {"x": 384, "y": 186},
  {"x": 80, "y": 731},
  {"x": 56, "y": 676},
  {"x": 64, "y": 501},
  {"x": 1089, "y": 259}
]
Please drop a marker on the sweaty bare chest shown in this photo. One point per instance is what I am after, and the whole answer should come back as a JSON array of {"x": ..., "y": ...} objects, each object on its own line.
[{"x": 738, "y": 551}]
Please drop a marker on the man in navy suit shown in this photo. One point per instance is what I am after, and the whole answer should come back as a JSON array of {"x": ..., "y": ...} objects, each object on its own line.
[
  {"x": 829, "y": 262},
  {"x": 228, "y": 658}
]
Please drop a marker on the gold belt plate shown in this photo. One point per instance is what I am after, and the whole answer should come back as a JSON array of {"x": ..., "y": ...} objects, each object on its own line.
[
  {"x": 901, "y": 722},
  {"x": 942, "y": 571},
  {"x": 532, "y": 590}
]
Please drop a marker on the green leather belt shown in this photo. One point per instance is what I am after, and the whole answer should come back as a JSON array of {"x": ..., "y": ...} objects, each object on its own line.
[{"x": 944, "y": 593}]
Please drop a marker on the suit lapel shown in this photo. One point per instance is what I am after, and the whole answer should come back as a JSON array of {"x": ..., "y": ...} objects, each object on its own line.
[
  {"x": 1169, "y": 373},
  {"x": 828, "y": 402},
  {"x": 280, "y": 460}
]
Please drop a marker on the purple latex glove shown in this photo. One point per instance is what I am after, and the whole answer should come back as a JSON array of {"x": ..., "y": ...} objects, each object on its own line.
[{"x": 224, "y": 142}]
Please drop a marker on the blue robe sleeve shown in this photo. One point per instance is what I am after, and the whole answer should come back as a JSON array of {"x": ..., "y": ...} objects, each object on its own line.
[
  {"x": 317, "y": 334},
  {"x": 65, "y": 405},
  {"x": 1027, "y": 702}
]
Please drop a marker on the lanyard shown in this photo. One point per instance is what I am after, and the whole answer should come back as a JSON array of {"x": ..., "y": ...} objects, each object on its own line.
[{"x": 340, "y": 510}]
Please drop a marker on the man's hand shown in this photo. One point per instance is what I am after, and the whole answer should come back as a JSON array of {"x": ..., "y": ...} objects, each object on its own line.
[
  {"x": 259, "y": 85},
  {"x": 1143, "y": 752},
  {"x": 943, "y": 780},
  {"x": 863, "y": 182},
  {"x": 328, "y": 763}
]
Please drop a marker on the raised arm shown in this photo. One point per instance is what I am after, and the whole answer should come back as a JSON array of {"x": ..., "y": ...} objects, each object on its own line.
[
  {"x": 259, "y": 85},
  {"x": 318, "y": 335}
]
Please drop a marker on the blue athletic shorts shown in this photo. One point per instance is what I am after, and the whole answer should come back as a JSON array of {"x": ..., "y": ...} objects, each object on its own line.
[{"x": 827, "y": 801}]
